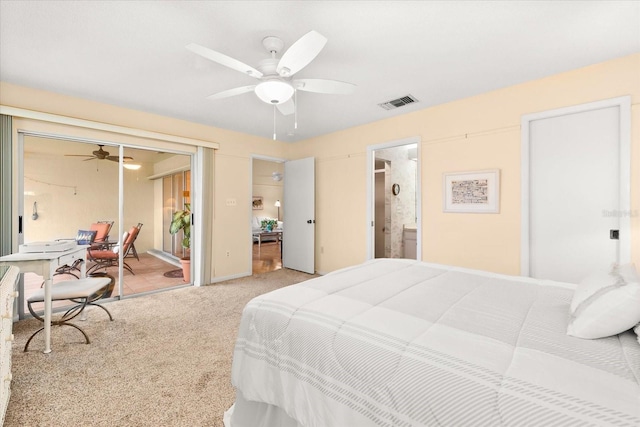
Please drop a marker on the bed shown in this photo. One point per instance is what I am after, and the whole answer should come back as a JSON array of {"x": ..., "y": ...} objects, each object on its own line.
[{"x": 407, "y": 343}]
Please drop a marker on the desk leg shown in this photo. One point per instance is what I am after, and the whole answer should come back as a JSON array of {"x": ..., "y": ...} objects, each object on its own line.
[
  {"x": 83, "y": 274},
  {"x": 47, "y": 314}
]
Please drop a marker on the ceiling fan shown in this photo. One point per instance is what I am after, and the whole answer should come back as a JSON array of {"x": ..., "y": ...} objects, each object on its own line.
[
  {"x": 277, "y": 86},
  {"x": 101, "y": 154}
]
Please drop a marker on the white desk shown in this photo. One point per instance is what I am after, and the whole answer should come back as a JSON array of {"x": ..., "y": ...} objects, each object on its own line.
[{"x": 45, "y": 264}]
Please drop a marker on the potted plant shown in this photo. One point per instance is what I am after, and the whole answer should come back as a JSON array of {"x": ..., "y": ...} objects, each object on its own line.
[{"x": 182, "y": 221}]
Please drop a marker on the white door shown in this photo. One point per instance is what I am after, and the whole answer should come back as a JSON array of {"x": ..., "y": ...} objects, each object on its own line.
[
  {"x": 298, "y": 237},
  {"x": 575, "y": 164}
]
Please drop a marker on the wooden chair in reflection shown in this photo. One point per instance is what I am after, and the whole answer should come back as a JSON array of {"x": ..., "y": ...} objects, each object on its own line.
[{"x": 109, "y": 257}]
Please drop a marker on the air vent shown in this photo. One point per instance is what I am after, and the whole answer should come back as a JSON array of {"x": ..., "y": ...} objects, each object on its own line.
[{"x": 397, "y": 103}]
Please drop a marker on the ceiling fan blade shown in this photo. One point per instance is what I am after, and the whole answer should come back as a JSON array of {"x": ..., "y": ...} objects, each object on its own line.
[
  {"x": 225, "y": 60},
  {"x": 232, "y": 92},
  {"x": 287, "y": 108},
  {"x": 324, "y": 86},
  {"x": 117, "y": 159},
  {"x": 301, "y": 53}
]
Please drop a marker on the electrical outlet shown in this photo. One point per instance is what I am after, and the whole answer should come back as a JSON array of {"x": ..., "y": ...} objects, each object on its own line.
[{"x": 228, "y": 253}]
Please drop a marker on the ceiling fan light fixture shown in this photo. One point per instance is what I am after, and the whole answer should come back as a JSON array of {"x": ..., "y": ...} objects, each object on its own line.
[
  {"x": 131, "y": 166},
  {"x": 274, "y": 91}
]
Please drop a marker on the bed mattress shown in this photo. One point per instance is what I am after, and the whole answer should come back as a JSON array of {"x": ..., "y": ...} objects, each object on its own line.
[{"x": 406, "y": 343}]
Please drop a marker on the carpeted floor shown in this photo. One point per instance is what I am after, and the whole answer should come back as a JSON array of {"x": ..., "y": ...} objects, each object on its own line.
[{"x": 164, "y": 361}]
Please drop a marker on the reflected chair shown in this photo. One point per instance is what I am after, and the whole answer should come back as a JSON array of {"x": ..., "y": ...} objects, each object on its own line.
[
  {"x": 106, "y": 258},
  {"x": 82, "y": 292},
  {"x": 132, "y": 252},
  {"x": 102, "y": 229},
  {"x": 84, "y": 237}
]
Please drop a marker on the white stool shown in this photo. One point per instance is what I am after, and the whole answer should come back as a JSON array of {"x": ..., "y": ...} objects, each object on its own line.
[{"x": 83, "y": 292}]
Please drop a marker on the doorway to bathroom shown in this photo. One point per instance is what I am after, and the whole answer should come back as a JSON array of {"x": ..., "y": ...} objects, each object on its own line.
[{"x": 394, "y": 200}]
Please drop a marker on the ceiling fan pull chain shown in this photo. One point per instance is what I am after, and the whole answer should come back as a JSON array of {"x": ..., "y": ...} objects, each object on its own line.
[
  {"x": 295, "y": 109},
  {"x": 274, "y": 122}
]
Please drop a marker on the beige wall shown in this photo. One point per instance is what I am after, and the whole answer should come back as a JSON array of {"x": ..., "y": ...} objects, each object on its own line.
[{"x": 481, "y": 132}]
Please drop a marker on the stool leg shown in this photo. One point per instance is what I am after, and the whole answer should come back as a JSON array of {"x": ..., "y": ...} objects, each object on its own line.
[
  {"x": 86, "y": 337},
  {"x": 26, "y": 346},
  {"x": 104, "y": 308},
  {"x": 70, "y": 314}
]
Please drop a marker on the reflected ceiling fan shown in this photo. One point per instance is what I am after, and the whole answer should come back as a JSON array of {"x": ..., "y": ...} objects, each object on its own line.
[
  {"x": 277, "y": 86},
  {"x": 101, "y": 154}
]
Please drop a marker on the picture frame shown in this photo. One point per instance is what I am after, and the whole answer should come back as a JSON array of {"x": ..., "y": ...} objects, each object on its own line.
[
  {"x": 257, "y": 203},
  {"x": 471, "y": 192}
]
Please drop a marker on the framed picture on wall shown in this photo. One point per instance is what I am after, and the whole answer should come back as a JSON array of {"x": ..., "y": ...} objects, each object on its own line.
[
  {"x": 257, "y": 203},
  {"x": 472, "y": 192}
]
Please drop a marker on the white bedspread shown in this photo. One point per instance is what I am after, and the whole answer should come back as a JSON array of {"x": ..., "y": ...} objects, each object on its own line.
[{"x": 405, "y": 343}]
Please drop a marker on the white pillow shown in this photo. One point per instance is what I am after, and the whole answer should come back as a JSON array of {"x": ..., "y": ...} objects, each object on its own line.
[{"x": 605, "y": 304}]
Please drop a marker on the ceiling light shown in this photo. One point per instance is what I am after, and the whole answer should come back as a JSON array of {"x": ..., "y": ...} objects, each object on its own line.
[
  {"x": 274, "y": 91},
  {"x": 132, "y": 166}
]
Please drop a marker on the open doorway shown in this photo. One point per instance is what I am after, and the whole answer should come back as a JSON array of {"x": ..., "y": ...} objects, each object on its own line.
[
  {"x": 394, "y": 208},
  {"x": 267, "y": 211}
]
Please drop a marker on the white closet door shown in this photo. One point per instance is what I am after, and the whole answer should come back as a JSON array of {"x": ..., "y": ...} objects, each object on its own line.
[{"x": 574, "y": 190}]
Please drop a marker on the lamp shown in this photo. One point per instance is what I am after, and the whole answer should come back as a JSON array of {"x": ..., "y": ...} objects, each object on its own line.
[
  {"x": 274, "y": 91},
  {"x": 277, "y": 205},
  {"x": 132, "y": 166}
]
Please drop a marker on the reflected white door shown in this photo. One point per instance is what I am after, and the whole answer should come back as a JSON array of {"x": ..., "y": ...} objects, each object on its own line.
[
  {"x": 298, "y": 237},
  {"x": 575, "y": 196}
]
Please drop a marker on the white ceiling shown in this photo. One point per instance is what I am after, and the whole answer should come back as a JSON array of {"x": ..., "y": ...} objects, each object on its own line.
[{"x": 132, "y": 54}]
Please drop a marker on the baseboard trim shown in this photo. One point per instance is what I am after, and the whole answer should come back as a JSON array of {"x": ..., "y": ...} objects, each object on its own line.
[{"x": 231, "y": 277}]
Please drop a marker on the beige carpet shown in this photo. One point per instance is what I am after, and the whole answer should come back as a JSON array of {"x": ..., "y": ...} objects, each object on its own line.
[{"x": 164, "y": 361}]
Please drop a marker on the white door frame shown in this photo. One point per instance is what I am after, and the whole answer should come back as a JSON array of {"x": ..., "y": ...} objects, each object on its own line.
[
  {"x": 624, "y": 105},
  {"x": 371, "y": 199}
]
